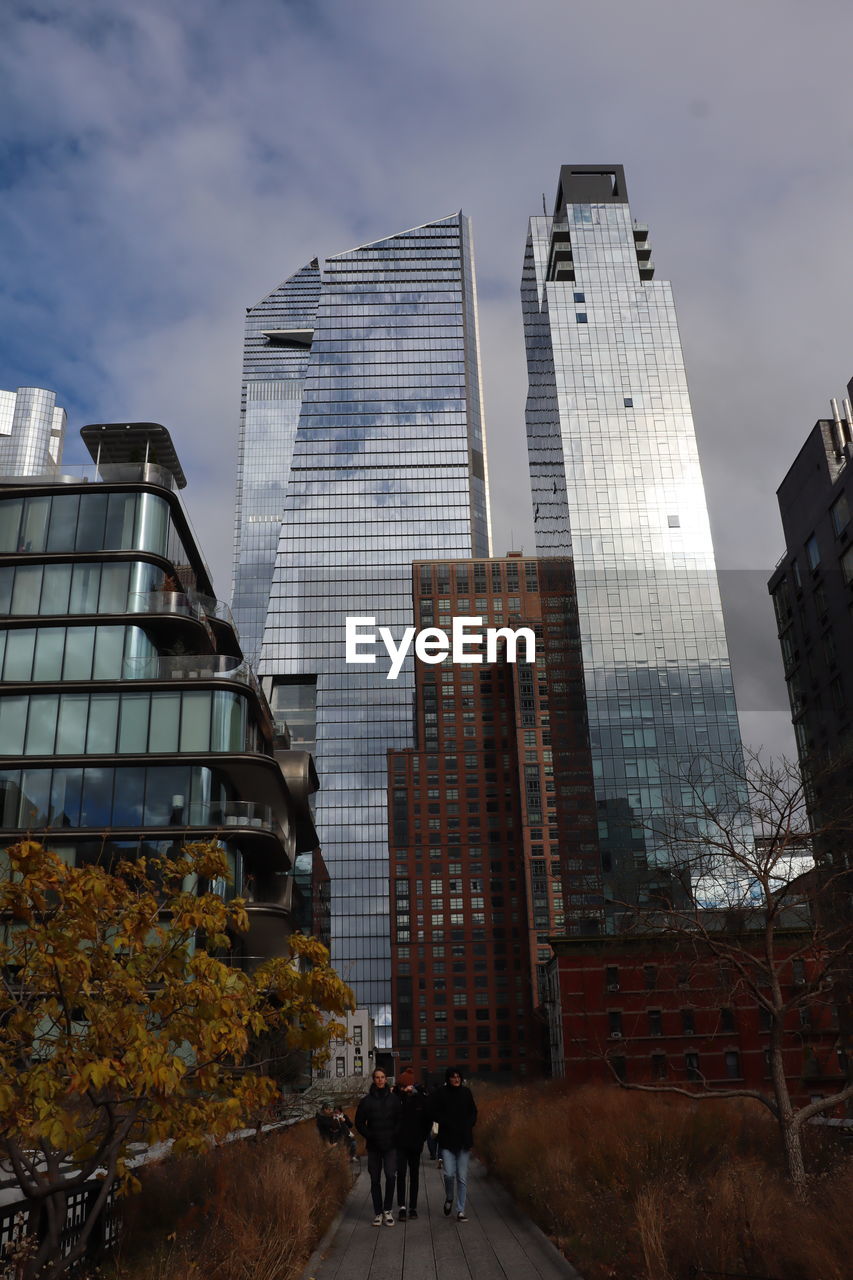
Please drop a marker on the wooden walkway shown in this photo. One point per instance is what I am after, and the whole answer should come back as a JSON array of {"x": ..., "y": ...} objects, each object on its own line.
[{"x": 498, "y": 1242}]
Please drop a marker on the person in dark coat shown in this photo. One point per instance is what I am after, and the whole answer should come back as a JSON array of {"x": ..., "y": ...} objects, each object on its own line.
[
  {"x": 454, "y": 1108},
  {"x": 414, "y": 1126},
  {"x": 377, "y": 1120},
  {"x": 342, "y": 1131},
  {"x": 324, "y": 1119}
]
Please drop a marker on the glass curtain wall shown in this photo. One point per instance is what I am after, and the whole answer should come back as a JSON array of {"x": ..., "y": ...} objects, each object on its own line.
[
  {"x": 388, "y": 467},
  {"x": 617, "y": 485}
]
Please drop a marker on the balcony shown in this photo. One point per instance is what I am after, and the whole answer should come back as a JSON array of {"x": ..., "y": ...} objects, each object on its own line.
[
  {"x": 105, "y": 473},
  {"x": 191, "y": 667}
]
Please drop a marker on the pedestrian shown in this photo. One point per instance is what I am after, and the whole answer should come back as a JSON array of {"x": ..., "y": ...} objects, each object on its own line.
[
  {"x": 342, "y": 1131},
  {"x": 323, "y": 1120},
  {"x": 377, "y": 1120},
  {"x": 454, "y": 1108},
  {"x": 414, "y": 1126}
]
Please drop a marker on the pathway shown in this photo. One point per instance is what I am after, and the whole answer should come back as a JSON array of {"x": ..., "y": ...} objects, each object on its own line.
[{"x": 497, "y": 1243}]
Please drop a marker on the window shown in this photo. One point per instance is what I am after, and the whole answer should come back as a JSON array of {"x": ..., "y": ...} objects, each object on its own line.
[
  {"x": 628, "y": 402},
  {"x": 674, "y": 522},
  {"x": 732, "y": 1060},
  {"x": 614, "y": 1022},
  {"x": 658, "y": 1066},
  {"x": 812, "y": 552},
  {"x": 691, "y": 1064},
  {"x": 611, "y": 977},
  {"x": 580, "y": 316},
  {"x": 847, "y": 565},
  {"x": 655, "y": 1022},
  {"x": 727, "y": 1020},
  {"x": 687, "y": 1022},
  {"x": 579, "y": 297},
  {"x": 840, "y": 512},
  {"x": 340, "y": 1066},
  {"x": 650, "y": 976}
]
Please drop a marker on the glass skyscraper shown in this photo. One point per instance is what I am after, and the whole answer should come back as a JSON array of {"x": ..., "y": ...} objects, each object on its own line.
[
  {"x": 617, "y": 485},
  {"x": 32, "y": 431},
  {"x": 363, "y": 449}
]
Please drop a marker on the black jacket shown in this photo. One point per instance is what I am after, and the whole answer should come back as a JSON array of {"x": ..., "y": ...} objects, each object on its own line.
[
  {"x": 378, "y": 1117},
  {"x": 414, "y": 1120},
  {"x": 454, "y": 1108}
]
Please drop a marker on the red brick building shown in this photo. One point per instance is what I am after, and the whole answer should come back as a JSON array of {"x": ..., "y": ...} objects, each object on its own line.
[
  {"x": 654, "y": 1009},
  {"x": 491, "y": 823}
]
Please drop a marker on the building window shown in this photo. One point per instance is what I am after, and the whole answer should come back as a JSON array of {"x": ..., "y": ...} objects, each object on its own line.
[
  {"x": 611, "y": 977},
  {"x": 614, "y": 1022},
  {"x": 629, "y": 402},
  {"x": 580, "y": 316},
  {"x": 579, "y": 297},
  {"x": 727, "y": 1020},
  {"x": 847, "y": 565},
  {"x": 687, "y": 1022},
  {"x": 356, "y": 1035},
  {"x": 812, "y": 552},
  {"x": 658, "y": 1066},
  {"x": 655, "y": 1022},
  {"x": 620, "y": 1068},
  {"x": 840, "y": 512},
  {"x": 732, "y": 1065},
  {"x": 674, "y": 522},
  {"x": 691, "y": 1063},
  {"x": 340, "y": 1066},
  {"x": 650, "y": 976}
]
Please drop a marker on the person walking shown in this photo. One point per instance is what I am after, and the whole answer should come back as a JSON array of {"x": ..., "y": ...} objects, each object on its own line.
[
  {"x": 454, "y": 1108},
  {"x": 414, "y": 1126},
  {"x": 377, "y": 1120}
]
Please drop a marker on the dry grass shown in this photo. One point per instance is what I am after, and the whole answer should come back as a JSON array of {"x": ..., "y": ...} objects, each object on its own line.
[
  {"x": 248, "y": 1211},
  {"x": 647, "y": 1187}
]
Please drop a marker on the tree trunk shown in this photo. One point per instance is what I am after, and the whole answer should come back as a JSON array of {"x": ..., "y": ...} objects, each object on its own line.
[{"x": 794, "y": 1154}]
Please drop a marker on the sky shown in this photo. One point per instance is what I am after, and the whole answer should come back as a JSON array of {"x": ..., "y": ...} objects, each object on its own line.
[{"x": 163, "y": 166}]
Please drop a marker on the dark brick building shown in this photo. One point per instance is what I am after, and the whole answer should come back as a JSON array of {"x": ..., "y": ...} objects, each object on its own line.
[
  {"x": 491, "y": 822},
  {"x": 651, "y": 1009}
]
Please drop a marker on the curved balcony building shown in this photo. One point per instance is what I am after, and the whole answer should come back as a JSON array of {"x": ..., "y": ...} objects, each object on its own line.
[{"x": 129, "y": 720}]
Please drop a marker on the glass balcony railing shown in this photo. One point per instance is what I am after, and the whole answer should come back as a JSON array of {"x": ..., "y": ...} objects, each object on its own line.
[
  {"x": 190, "y": 667},
  {"x": 105, "y": 473}
]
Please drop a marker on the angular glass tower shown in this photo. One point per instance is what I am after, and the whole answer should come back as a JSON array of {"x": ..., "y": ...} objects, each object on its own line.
[
  {"x": 617, "y": 485},
  {"x": 32, "y": 431},
  {"x": 380, "y": 461}
]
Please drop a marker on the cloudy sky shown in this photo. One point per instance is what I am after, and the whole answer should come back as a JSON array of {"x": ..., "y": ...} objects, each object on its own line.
[{"x": 164, "y": 165}]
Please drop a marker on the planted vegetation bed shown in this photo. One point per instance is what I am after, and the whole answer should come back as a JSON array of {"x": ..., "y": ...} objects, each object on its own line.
[
  {"x": 647, "y": 1187},
  {"x": 253, "y": 1209}
]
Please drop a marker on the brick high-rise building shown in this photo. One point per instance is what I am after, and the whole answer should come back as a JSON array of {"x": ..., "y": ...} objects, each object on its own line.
[{"x": 491, "y": 821}]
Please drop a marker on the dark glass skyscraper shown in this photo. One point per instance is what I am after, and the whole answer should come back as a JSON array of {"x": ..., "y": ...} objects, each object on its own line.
[
  {"x": 363, "y": 446},
  {"x": 617, "y": 485}
]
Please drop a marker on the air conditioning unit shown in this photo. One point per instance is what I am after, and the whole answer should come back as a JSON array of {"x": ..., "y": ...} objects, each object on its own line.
[
  {"x": 613, "y": 986},
  {"x": 615, "y": 1035}
]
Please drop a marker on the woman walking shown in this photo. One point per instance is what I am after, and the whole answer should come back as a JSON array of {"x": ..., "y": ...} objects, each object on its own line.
[
  {"x": 454, "y": 1108},
  {"x": 414, "y": 1124},
  {"x": 377, "y": 1120}
]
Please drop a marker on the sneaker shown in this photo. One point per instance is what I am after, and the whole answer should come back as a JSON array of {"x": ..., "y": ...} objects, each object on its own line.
[
  {"x": 448, "y": 1205},
  {"x": 377, "y": 1221},
  {"x": 461, "y": 1217},
  {"x": 389, "y": 1218},
  {"x": 413, "y": 1213},
  {"x": 402, "y": 1214}
]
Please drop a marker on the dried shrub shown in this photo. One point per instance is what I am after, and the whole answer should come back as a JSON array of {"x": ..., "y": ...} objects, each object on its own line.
[
  {"x": 633, "y": 1186},
  {"x": 248, "y": 1211}
]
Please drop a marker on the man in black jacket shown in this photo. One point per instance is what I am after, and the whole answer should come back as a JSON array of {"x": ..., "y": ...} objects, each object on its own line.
[
  {"x": 414, "y": 1126},
  {"x": 377, "y": 1120},
  {"x": 454, "y": 1108}
]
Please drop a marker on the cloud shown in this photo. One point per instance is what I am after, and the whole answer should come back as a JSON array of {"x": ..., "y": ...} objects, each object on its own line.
[{"x": 163, "y": 166}]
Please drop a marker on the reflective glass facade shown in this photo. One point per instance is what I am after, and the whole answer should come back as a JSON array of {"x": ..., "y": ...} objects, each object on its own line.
[
  {"x": 276, "y": 351},
  {"x": 126, "y": 707},
  {"x": 32, "y": 431},
  {"x": 617, "y": 485},
  {"x": 388, "y": 466}
]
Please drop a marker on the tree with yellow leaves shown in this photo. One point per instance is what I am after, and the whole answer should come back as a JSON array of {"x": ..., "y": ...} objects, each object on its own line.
[{"x": 122, "y": 1022}]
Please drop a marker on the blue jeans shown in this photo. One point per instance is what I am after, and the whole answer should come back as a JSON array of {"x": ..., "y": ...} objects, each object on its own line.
[{"x": 455, "y": 1165}]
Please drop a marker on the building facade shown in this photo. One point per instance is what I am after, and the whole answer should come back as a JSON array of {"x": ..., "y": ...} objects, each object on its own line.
[
  {"x": 652, "y": 1010},
  {"x": 617, "y": 486},
  {"x": 32, "y": 431},
  {"x": 130, "y": 722},
  {"x": 363, "y": 432},
  {"x": 812, "y": 587},
  {"x": 491, "y": 821}
]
